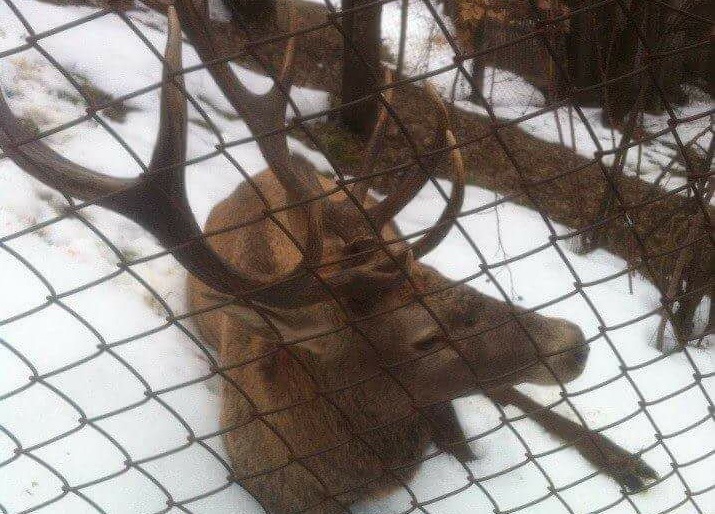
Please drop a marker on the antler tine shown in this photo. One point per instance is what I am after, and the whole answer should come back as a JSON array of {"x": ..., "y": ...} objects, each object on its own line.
[
  {"x": 262, "y": 113},
  {"x": 374, "y": 144},
  {"x": 170, "y": 147},
  {"x": 280, "y": 91},
  {"x": 171, "y": 218},
  {"x": 193, "y": 24},
  {"x": 394, "y": 203},
  {"x": 431, "y": 239}
]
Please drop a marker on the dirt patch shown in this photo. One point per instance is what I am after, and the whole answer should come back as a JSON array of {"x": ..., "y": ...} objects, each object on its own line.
[{"x": 115, "y": 111}]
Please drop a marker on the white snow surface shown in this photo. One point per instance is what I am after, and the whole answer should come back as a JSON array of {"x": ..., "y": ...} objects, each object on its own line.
[{"x": 41, "y": 336}]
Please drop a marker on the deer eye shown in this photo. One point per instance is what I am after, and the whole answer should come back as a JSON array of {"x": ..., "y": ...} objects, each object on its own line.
[{"x": 427, "y": 344}]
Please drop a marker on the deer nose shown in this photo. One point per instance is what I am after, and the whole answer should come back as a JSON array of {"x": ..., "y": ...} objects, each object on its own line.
[{"x": 574, "y": 336}]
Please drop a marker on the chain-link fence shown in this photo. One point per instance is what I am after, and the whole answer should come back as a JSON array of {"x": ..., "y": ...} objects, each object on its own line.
[{"x": 595, "y": 195}]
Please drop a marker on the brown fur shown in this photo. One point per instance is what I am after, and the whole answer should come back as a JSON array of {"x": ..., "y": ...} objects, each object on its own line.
[{"x": 323, "y": 436}]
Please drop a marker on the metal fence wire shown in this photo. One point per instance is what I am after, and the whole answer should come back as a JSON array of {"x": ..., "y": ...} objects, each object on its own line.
[{"x": 622, "y": 211}]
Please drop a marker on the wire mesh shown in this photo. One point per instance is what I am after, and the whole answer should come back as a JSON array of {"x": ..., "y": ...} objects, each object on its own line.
[{"x": 622, "y": 210}]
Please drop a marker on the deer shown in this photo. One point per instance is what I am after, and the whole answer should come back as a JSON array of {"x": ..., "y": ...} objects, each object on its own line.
[{"x": 340, "y": 352}]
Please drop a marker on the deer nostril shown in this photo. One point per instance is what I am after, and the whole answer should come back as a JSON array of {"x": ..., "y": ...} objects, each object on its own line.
[{"x": 580, "y": 355}]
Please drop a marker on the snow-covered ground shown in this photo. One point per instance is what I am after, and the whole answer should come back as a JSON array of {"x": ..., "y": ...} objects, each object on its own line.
[{"x": 41, "y": 337}]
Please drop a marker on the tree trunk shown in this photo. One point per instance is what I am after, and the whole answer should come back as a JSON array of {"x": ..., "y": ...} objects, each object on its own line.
[
  {"x": 603, "y": 45},
  {"x": 478, "y": 69},
  {"x": 361, "y": 73}
]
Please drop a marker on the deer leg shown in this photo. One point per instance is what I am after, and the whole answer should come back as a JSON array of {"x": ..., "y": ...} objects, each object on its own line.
[
  {"x": 448, "y": 434},
  {"x": 628, "y": 469}
]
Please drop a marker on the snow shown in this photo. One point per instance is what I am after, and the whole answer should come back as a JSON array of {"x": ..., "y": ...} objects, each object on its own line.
[{"x": 101, "y": 348}]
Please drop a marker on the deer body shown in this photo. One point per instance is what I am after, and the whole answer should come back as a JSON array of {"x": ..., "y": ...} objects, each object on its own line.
[
  {"x": 339, "y": 352},
  {"x": 322, "y": 452},
  {"x": 309, "y": 423}
]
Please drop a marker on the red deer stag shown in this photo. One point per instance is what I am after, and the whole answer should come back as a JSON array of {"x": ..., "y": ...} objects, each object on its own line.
[{"x": 339, "y": 352}]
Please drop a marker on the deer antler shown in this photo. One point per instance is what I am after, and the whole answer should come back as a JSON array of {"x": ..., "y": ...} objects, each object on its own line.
[
  {"x": 394, "y": 203},
  {"x": 266, "y": 113},
  {"x": 383, "y": 212},
  {"x": 157, "y": 199},
  {"x": 263, "y": 113},
  {"x": 431, "y": 239},
  {"x": 374, "y": 144}
]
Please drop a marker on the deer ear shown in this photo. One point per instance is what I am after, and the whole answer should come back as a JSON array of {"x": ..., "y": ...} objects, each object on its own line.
[{"x": 299, "y": 331}]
